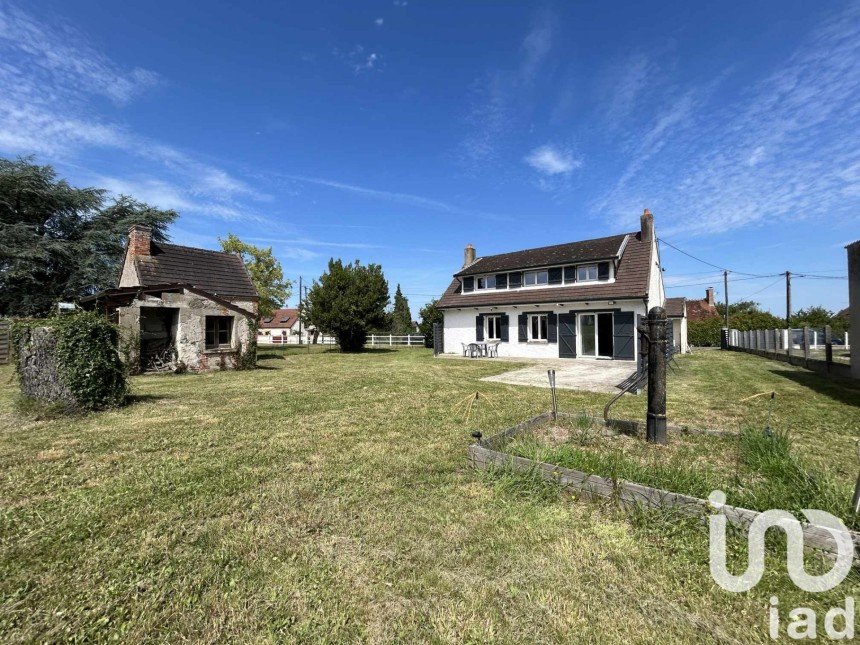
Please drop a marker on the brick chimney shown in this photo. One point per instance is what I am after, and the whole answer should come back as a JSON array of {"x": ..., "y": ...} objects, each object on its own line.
[
  {"x": 647, "y": 223},
  {"x": 139, "y": 238},
  {"x": 468, "y": 255},
  {"x": 709, "y": 296}
]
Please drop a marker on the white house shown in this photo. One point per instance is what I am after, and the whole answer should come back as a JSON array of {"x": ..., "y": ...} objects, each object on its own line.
[
  {"x": 283, "y": 327},
  {"x": 575, "y": 300}
]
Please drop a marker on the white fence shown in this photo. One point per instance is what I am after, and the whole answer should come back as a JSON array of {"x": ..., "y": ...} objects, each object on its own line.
[
  {"x": 827, "y": 354},
  {"x": 294, "y": 340},
  {"x": 391, "y": 340}
]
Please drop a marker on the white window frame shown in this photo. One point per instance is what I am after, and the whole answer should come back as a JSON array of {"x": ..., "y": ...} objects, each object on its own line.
[
  {"x": 587, "y": 268},
  {"x": 536, "y": 274},
  {"x": 482, "y": 282},
  {"x": 493, "y": 324},
  {"x": 541, "y": 328}
]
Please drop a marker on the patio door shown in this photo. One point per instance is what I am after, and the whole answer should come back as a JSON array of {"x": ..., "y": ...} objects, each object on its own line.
[{"x": 595, "y": 333}]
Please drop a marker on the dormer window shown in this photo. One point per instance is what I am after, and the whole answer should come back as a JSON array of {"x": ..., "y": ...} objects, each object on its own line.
[
  {"x": 487, "y": 282},
  {"x": 535, "y": 278},
  {"x": 586, "y": 273}
]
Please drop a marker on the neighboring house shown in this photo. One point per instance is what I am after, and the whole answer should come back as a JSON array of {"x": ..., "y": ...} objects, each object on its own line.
[
  {"x": 581, "y": 299},
  {"x": 281, "y": 327},
  {"x": 676, "y": 311},
  {"x": 702, "y": 309},
  {"x": 190, "y": 308}
]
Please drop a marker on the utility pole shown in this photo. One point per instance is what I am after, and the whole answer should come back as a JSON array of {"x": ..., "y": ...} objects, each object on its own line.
[
  {"x": 726, "y": 292},
  {"x": 300, "y": 310},
  {"x": 788, "y": 300}
]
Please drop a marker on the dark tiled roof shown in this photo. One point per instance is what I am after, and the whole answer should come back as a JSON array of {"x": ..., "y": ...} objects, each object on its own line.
[
  {"x": 631, "y": 281},
  {"x": 675, "y": 307},
  {"x": 280, "y": 318},
  {"x": 602, "y": 248},
  {"x": 223, "y": 274}
]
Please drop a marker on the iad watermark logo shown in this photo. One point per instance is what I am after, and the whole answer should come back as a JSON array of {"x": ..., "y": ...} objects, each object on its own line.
[{"x": 803, "y": 623}]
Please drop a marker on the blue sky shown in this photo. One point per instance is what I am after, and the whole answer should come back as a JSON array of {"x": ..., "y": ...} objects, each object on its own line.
[{"x": 397, "y": 131}]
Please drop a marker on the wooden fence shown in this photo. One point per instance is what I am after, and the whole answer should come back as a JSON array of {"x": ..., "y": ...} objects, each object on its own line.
[
  {"x": 5, "y": 342},
  {"x": 391, "y": 340},
  {"x": 803, "y": 349}
]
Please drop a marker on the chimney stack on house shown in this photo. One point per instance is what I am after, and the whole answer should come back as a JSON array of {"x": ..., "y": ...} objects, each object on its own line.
[
  {"x": 139, "y": 239},
  {"x": 468, "y": 255},
  {"x": 647, "y": 222},
  {"x": 709, "y": 296}
]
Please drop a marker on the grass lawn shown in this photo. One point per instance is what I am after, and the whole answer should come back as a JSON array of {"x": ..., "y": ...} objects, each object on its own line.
[{"x": 327, "y": 497}]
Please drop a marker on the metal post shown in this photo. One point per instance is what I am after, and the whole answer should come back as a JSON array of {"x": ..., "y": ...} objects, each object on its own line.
[
  {"x": 551, "y": 375},
  {"x": 828, "y": 345},
  {"x": 656, "y": 420},
  {"x": 788, "y": 299},
  {"x": 726, "y": 294},
  {"x": 300, "y": 310}
]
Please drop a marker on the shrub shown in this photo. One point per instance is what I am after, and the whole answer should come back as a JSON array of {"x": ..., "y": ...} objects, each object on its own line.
[
  {"x": 429, "y": 315},
  {"x": 72, "y": 360}
]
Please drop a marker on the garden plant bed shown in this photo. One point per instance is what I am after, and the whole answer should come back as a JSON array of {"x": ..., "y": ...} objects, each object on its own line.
[{"x": 595, "y": 459}]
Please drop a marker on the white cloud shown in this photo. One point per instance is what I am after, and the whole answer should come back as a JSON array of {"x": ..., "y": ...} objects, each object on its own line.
[
  {"x": 500, "y": 98},
  {"x": 551, "y": 161},
  {"x": 379, "y": 22},
  {"x": 62, "y": 55},
  {"x": 50, "y": 74}
]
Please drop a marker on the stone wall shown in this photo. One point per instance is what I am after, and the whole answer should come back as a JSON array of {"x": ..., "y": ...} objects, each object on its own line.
[
  {"x": 37, "y": 369},
  {"x": 190, "y": 332}
]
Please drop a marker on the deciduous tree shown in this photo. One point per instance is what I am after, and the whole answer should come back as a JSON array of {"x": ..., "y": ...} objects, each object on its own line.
[{"x": 266, "y": 273}]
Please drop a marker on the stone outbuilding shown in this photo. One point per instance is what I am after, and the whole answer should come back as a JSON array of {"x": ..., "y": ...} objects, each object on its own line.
[{"x": 181, "y": 308}]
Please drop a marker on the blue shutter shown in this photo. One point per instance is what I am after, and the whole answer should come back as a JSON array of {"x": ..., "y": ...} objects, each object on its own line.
[
  {"x": 479, "y": 327},
  {"x": 522, "y": 328},
  {"x": 468, "y": 284},
  {"x": 554, "y": 275},
  {"x": 570, "y": 274},
  {"x": 501, "y": 281},
  {"x": 603, "y": 270},
  {"x": 504, "y": 335},
  {"x": 551, "y": 328}
]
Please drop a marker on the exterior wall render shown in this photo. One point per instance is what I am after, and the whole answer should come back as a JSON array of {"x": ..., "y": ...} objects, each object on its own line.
[{"x": 459, "y": 326}]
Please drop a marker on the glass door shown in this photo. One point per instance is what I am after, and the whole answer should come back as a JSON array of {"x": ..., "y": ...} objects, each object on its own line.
[{"x": 588, "y": 335}]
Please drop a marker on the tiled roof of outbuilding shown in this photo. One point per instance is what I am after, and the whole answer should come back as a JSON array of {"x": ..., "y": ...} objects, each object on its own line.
[
  {"x": 223, "y": 274},
  {"x": 675, "y": 307}
]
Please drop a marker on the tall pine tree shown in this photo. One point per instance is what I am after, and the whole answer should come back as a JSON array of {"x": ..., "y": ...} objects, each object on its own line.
[{"x": 401, "y": 317}]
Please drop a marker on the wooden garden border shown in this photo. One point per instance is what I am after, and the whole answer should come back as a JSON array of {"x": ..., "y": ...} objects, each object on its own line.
[{"x": 486, "y": 455}]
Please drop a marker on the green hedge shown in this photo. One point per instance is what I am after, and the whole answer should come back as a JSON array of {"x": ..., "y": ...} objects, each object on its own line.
[{"x": 79, "y": 352}]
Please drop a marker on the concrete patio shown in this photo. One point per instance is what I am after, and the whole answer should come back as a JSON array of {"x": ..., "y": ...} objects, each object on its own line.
[{"x": 570, "y": 374}]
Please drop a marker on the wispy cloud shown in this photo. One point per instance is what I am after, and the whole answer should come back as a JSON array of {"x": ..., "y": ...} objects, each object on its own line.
[
  {"x": 312, "y": 242},
  {"x": 783, "y": 151},
  {"x": 403, "y": 198},
  {"x": 379, "y": 22},
  {"x": 60, "y": 55},
  {"x": 50, "y": 75},
  {"x": 552, "y": 161},
  {"x": 495, "y": 97}
]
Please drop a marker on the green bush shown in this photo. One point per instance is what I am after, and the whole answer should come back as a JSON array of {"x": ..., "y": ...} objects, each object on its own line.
[{"x": 79, "y": 353}]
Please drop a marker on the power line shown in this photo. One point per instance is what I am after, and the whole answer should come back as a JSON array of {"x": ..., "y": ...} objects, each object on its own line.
[
  {"x": 710, "y": 282},
  {"x": 710, "y": 264},
  {"x": 777, "y": 281}
]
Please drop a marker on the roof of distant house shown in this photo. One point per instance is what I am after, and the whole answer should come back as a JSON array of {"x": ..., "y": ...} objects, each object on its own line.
[
  {"x": 700, "y": 310},
  {"x": 223, "y": 274},
  {"x": 631, "y": 277},
  {"x": 675, "y": 307},
  {"x": 285, "y": 318}
]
